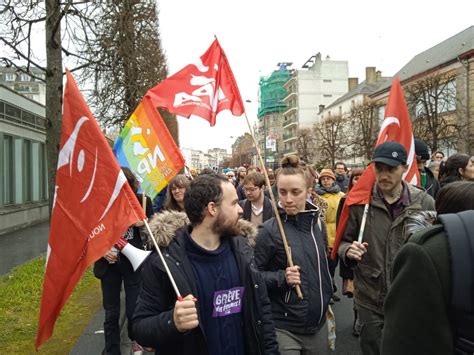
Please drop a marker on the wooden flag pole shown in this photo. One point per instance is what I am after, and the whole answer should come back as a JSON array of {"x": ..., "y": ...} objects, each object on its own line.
[
  {"x": 274, "y": 204},
  {"x": 158, "y": 250}
]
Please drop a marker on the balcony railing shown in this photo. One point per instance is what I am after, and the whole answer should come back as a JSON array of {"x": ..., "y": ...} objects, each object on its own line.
[{"x": 289, "y": 121}]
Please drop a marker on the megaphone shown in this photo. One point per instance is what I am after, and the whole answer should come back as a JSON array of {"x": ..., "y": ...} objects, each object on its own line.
[{"x": 134, "y": 255}]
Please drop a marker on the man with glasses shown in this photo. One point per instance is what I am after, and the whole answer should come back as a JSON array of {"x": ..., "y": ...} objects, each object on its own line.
[
  {"x": 257, "y": 208},
  {"x": 230, "y": 176}
]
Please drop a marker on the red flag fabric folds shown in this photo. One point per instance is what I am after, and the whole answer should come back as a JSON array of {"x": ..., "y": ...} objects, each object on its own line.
[
  {"x": 93, "y": 206},
  {"x": 204, "y": 88},
  {"x": 396, "y": 127}
]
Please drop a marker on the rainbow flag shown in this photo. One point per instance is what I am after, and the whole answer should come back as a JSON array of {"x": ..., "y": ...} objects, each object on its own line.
[{"x": 146, "y": 146}]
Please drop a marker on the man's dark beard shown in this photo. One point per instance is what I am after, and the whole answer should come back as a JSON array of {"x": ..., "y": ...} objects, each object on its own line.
[{"x": 225, "y": 230}]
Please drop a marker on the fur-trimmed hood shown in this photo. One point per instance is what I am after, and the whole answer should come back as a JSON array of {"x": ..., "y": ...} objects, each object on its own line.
[{"x": 165, "y": 224}]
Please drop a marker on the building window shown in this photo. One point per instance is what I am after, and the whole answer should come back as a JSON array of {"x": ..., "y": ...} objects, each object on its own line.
[
  {"x": 441, "y": 100},
  {"x": 381, "y": 114},
  {"x": 24, "y": 77},
  {"x": 12, "y": 112},
  {"x": 9, "y": 77},
  {"x": 8, "y": 167},
  {"x": 327, "y": 81},
  {"x": 27, "y": 171}
]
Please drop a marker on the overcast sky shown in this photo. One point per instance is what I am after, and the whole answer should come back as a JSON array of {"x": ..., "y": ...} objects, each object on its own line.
[{"x": 258, "y": 34}]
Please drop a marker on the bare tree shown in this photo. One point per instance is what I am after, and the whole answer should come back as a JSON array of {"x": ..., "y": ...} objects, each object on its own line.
[
  {"x": 435, "y": 110},
  {"x": 20, "y": 23},
  {"x": 127, "y": 44},
  {"x": 79, "y": 32},
  {"x": 305, "y": 144},
  {"x": 331, "y": 142},
  {"x": 364, "y": 121}
]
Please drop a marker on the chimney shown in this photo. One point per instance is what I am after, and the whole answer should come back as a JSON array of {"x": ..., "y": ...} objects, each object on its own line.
[
  {"x": 378, "y": 75},
  {"x": 370, "y": 75},
  {"x": 321, "y": 108},
  {"x": 353, "y": 82}
]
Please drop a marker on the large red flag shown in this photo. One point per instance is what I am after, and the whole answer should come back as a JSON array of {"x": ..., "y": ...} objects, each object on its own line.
[
  {"x": 396, "y": 126},
  {"x": 92, "y": 208},
  {"x": 204, "y": 88}
]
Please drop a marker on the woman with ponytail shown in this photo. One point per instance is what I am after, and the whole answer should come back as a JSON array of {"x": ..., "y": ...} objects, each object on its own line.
[{"x": 297, "y": 321}]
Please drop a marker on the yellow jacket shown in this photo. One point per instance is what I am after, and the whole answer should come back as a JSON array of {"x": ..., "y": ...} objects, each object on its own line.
[{"x": 332, "y": 200}]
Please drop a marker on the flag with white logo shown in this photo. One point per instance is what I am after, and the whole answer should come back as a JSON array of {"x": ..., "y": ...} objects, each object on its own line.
[
  {"x": 396, "y": 127},
  {"x": 93, "y": 206},
  {"x": 204, "y": 88}
]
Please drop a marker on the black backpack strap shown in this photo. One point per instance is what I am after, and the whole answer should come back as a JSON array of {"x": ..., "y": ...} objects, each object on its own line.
[{"x": 460, "y": 230}]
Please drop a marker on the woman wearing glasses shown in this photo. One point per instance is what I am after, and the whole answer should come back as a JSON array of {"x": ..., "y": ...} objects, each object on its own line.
[{"x": 174, "y": 200}]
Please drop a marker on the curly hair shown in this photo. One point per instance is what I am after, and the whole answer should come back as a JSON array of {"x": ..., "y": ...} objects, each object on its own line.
[{"x": 203, "y": 190}]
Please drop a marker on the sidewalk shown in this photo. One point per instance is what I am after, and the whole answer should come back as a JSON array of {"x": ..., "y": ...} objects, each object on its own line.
[{"x": 21, "y": 246}]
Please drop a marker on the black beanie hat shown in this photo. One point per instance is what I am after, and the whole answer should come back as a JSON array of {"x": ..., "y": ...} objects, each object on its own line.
[{"x": 421, "y": 149}]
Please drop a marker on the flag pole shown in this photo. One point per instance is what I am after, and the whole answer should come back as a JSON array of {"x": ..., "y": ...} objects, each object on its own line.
[
  {"x": 364, "y": 221},
  {"x": 158, "y": 250},
  {"x": 274, "y": 205}
]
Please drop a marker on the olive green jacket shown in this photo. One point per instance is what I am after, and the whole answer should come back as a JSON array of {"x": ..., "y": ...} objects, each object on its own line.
[
  {"x": 416, "y": 307},
  {"x": 385, "y": 238}
]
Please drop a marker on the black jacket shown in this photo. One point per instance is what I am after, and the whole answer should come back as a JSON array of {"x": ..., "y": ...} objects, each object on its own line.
[
  {"x": 267, "y": 209},
  {"x": 101, "y": 266},
  {"x": 153, "y": 318},
  {"x": 432, "y": 185},
  {"x": 307, "y": 242},
  {"x": 343, "y": 182}
]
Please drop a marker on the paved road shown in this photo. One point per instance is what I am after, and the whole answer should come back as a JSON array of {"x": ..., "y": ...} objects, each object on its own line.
[
  {"x": 23, "y": 245},
  {"x": 92, "y": 341}
]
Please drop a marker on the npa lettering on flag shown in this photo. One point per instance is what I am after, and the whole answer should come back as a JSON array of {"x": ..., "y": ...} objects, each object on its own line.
[
  {"x": 146, "y": 146},
  {"x": 396, "y": 127},
  {"x": 93, "y": 206},
  {"x": 204, "y": 88}
]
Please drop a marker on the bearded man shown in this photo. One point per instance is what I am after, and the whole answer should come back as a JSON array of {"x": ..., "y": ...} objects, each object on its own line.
[{"x": 226, "y": 309}]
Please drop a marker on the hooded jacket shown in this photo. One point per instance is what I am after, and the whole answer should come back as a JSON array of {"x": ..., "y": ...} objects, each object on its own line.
[
  {"x": 306, "y": 240},
  {"x": 153, "y": 323}
]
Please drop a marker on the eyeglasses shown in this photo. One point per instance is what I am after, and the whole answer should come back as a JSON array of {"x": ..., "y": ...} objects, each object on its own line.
[{"x": 251, "y": 189}]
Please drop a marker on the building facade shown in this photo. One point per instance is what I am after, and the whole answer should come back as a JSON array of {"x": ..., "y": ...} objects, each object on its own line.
[
  {"x": 31, "y": 87},
  {"x": 318, "y": 82},
  {"x": 446, "y": 73},
  {"x": 350, "y": 107},
  {"x": 270, "y": 114},
  {"x": 23, "y": 167}
]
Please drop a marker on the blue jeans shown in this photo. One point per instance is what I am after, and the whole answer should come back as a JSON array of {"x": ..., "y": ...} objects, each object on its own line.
[{"x": 111, "y": 285}]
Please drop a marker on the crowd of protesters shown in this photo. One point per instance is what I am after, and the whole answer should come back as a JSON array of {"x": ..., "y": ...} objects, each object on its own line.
[{"x": 248, "y": 290}]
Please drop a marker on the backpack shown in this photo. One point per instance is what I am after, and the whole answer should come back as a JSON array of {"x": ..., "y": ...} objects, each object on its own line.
[{"x": 459, "y": 228}]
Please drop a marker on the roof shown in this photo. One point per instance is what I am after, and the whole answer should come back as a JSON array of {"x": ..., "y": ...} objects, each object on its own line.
[
  {"x": 441, "y": 54},
  {"x": 363, "y": 88}
]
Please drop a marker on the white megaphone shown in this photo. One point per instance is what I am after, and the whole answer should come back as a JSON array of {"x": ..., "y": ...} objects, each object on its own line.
[{"x": 134, "y": 255}]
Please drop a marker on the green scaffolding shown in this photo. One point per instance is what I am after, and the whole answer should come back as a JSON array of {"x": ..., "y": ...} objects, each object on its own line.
[{"x": 272, "y": 92}]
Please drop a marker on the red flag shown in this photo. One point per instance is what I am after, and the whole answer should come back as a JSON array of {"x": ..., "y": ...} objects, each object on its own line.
[
  {"x": 203, "y": 89},
  {"x": 396, "y": 126},
  {"x": 92, "y": 208}
]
